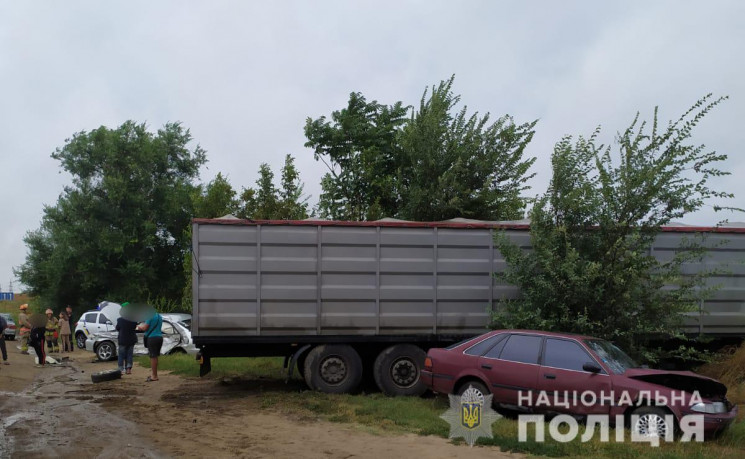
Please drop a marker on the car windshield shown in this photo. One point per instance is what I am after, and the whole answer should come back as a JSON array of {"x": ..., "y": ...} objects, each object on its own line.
[{"x": 615, "y": 358}]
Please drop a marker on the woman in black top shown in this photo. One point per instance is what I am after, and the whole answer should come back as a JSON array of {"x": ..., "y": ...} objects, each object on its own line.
[{"x": 127, "y": 341}]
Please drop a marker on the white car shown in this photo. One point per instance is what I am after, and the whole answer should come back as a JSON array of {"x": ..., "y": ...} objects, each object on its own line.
[
  {"x": 176, "y": 338},
  {"x": 96, "y": 321}
]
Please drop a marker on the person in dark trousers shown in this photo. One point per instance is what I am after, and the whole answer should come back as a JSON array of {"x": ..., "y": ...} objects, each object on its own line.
[
  {"x": 3, "y": 326},
  {"x": 127, "y": 341},
  {"x": 36, "y": 341},
  {"x": 68, "y": 310}
]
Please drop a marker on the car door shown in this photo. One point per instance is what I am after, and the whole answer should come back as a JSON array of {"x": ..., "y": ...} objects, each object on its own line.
[
  {"x": 568, "y": 386},
  {"x": 90, "y": 323},
  {"x": 104, "y": 324},
  {"x": 512, "y": 368}
]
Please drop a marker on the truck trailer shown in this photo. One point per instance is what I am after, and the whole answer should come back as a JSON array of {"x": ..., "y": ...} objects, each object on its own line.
[{"x": 343, "y": 300}]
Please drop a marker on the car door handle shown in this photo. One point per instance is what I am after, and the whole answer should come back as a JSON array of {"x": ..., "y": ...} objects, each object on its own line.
[
  {"x": 549, "y": 376},
  {"x": 486, "y": 367}
]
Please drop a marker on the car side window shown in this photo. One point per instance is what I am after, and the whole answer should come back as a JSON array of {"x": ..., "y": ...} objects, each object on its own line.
[
  {"x": 481, "y": 347},
  {"x": 167, "y": 329},
  {"x": 90, "y": 317},
  {"x": 101, "y": 319},
  {"x": 565, "y": 354},
  {"x": 522, "y": 348}
]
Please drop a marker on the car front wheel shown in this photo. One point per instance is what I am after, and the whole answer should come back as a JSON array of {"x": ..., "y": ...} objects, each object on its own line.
[
  {"x": 106, "y": 351},
  {"x": 652, "y": 422}
]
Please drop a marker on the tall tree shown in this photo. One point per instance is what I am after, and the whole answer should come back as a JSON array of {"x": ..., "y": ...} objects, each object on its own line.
[
  {"x": 454, "y": 165},
  {"x": 117, "y": 232},
  {"x": 435, "y": 165},
  {"x": 590, "y": 269},
  {"x": 218, "y": 198},
  {"x": 267, "y": 202},
  {"x": 360, "y": 148}
]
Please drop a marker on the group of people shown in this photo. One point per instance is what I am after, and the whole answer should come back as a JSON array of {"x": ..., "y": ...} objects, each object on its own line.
[
  {"x": 52, "y": 332},
  {"x": 153, "y": 337},
  {"x": 60, "y": 329}
]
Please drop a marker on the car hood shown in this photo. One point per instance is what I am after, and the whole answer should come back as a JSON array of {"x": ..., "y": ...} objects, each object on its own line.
[{"x": 687, "y": 381}]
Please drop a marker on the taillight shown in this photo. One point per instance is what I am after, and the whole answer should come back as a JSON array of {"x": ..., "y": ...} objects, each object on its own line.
[
  {"x": 428, "y": 364},
  {"x": 12, "y": 327}
]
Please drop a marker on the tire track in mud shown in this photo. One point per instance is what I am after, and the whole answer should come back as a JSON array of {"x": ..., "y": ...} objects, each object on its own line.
[{"x": 56, "y": 416}]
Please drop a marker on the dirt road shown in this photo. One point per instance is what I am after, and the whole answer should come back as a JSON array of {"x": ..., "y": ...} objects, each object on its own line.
[{"x": 57, "y": 412}]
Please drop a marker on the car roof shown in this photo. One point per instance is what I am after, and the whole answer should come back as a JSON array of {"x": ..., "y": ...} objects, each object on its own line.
[{"x": 547, "y": 333}]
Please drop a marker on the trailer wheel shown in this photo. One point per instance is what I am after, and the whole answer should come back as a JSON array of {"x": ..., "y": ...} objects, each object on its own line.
[
  {"x": 334, "y": 368},
  {"x": 398, "y": 369}
]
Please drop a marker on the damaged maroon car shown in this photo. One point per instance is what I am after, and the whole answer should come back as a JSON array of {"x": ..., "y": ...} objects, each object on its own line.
[{"x": 543, "y": 372}]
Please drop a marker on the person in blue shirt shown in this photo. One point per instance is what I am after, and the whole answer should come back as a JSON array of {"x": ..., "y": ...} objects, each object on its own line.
[{"x": 153, "y": 341}]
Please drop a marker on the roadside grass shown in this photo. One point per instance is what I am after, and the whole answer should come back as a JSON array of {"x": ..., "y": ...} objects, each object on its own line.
[{"x": 380, "y": 415}]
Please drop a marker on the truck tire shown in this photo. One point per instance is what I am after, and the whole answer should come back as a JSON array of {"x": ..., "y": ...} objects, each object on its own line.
[
  {"x": 108, "y": 375},
  {"x": 398, "y": 369},
  {"x": 333, "y": 368},
  {"x": 307, "y": 371}
]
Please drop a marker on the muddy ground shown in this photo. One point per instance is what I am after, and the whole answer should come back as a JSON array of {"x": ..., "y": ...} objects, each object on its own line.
[{"x": 55, "y": 411}]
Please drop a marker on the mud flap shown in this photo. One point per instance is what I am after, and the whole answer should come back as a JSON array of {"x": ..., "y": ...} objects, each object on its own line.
[
  {"x": 293, "y": 360},
  {"x": 205, "y": 364}
]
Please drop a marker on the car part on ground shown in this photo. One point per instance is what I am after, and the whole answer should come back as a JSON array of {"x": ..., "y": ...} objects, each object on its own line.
[{"x": 108, "y": 375}]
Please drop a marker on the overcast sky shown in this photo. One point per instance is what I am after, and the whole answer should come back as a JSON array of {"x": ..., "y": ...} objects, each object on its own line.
[{"x": 244, "y": 76}]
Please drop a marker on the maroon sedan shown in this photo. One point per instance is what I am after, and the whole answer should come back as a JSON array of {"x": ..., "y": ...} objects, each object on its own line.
[{"x": 534, "y": 371}]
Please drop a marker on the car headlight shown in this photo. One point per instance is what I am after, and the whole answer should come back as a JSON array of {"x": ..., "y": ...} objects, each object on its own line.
[{"x": 710, "y": 408}]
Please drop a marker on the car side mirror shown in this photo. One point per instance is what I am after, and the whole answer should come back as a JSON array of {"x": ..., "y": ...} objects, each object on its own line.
[
  {"x": 592, "y": 367},
  {"x": 108, "y": 322}
]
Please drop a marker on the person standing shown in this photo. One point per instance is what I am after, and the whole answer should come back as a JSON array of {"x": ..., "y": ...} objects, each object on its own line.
[
  {"x": 64, "y": 333},
  {"x": 25, "y": 327},
  {"x": 153, "y": 342},
  {"x": 36, "y": 341},
  {"x": 3, "y": 326},
  {"x": 127, "y": 341},
  {"x": 68, "y": 311},
  {"x": 51, "y": 331}
]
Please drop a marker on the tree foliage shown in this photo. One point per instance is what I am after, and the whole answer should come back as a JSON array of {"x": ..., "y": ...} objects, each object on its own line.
[
  {"x": 361, "y": 150},
  {"x": 456, "y": 165},
  {"x": 434, "y": 165},
  {"x": 591, "y": 270},
  {"x": 117, "y": 232},
  {"x": 267, "y": 202}
]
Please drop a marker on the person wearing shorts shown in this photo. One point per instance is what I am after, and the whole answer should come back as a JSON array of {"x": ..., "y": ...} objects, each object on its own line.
[{"x": 154, "y": 341}]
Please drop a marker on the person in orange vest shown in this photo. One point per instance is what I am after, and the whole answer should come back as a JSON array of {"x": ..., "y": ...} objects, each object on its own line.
[
  {"x": 25, "y": 327},
  {"x": 51, "y": 331}
]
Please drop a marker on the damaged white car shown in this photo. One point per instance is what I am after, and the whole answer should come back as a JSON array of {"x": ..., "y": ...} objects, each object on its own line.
[{"x": 176, "y": 339}]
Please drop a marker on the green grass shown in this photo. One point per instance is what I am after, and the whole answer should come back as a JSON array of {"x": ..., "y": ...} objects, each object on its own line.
[{"x": 381, "y": 415}]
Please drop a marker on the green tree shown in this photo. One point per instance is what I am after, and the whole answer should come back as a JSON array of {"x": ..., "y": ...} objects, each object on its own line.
[
  {"x": 360, "y": 148},
  {"x": 454, "y": 165},
  {"x": 215, "y": 200},
  {"x": 118, "y": 231},
  {"x": 434, "y": 165},
  {"x": 267, "y": 202},
  {"x": 590, "y": 269}
]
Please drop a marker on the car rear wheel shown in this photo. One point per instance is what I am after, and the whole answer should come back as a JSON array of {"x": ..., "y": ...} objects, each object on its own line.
[
  {"x": 106, "y": 351},
  {"x": 334, "y": 368},
  {"x": 397, "y": 370},
  {"x": 80, "y": 340},
  {"x": 479, "y": 387},
  {"x": 652, "y": 422}
]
